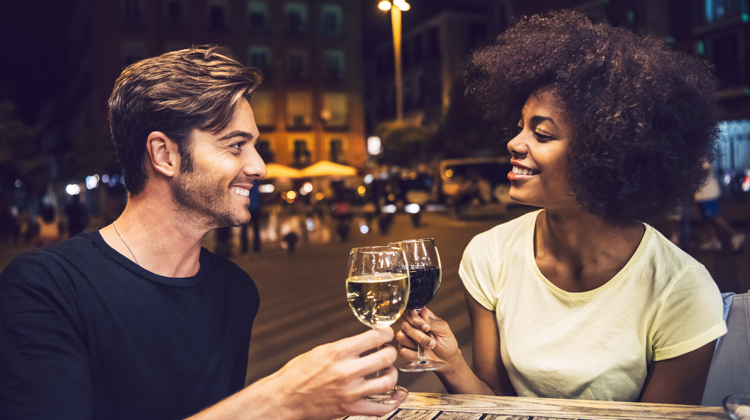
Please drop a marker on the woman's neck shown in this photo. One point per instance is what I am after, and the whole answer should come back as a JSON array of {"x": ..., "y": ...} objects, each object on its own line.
[{"x": 579, "y": 251}]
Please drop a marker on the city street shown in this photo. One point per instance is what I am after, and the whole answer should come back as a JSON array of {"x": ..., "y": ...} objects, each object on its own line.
[{"x": 303, "y": 301}]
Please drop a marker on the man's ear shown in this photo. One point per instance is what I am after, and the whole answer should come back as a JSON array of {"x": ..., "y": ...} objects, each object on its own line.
[{"x": 162, "y": 154}]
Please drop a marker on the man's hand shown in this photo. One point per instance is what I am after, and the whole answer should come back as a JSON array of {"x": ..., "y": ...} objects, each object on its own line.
[{"x": 329, "y": 381}]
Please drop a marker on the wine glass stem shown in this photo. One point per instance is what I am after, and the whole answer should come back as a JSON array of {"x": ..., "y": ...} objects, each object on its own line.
[{"x": 420, "y": 349}]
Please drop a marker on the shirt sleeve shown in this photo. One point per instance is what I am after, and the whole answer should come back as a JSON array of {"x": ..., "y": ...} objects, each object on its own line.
[
  {"x": 476, "y": 271},
  {"x": 44, "y": 367},
  {"x": 690, "y": 316}
]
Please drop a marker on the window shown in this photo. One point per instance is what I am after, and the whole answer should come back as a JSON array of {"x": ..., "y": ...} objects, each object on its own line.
[
  {"x": 477, "y": 34},
  {"x": 334, "y": 62},
  {"x": 257, "y": 16},
  {"x": 175, "y": 13},
  {"x": 259, "y": 57},
  {"x": 336, "y": 152},
  {"x": 263, "y": 147},
  {"x": 301, "y": 154},
  {"x": 295, "y": 15},
  {"x": 717, "y": 10},
  {"x": 331, "y": 20},
  {"x": 335, "y": 112},
  {"x": 297, "y": 70},
  {"x": 175, "y": 46},
  {"x": 218, "y": 15},
  {"x": 433, "y": 42},
  {"x": 417, "y": 48},
  {"x": 132, "y": 51},
  {"x": 263, "y": 108},
  {"x": 726, "y": 58},
  {"x": 299, "y": 109},
  {"x": 133, "y": 12}
]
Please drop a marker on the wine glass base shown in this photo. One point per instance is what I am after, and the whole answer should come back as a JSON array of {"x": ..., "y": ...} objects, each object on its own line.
[
  {"x": 395, "y": 396},
  {"x": 423, "y": 366}
]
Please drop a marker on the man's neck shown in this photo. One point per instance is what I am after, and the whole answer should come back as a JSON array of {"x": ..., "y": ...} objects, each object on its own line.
[{"x": 157, "y": 236}]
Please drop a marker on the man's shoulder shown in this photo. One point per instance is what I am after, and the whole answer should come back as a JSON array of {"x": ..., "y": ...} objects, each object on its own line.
[{"x": 47, "y": 261}]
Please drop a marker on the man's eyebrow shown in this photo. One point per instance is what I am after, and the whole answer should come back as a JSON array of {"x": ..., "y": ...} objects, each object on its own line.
[{"x": 237, "y": 133}]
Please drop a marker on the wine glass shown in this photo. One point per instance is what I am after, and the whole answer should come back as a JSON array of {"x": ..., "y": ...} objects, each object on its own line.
[
  {"x": 425, "y": 275},
  {"x": 377, "y": 288}
]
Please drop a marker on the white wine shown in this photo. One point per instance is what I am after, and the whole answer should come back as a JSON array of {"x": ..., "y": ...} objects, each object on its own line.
[{"x": 378, "y": 300}]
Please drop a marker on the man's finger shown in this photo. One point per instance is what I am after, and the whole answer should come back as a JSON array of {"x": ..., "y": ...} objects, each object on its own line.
[
  {"x": 358, "y": 344},
  {"x": 381, "y": 359},
  {"x": 413, "y": 318}
]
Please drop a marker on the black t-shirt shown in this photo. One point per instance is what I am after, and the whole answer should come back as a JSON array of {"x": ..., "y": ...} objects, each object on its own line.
[{"x": 85, "y": 333}]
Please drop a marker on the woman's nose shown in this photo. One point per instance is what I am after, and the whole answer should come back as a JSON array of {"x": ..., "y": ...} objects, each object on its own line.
[{"x": 517, "y": 146}]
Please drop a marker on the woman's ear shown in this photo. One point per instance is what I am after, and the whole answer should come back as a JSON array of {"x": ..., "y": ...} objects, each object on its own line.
[{"x": 162, "y": 154}]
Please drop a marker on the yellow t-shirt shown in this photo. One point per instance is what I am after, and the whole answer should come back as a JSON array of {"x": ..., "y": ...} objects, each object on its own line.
[{"x": 594, "y": 345}]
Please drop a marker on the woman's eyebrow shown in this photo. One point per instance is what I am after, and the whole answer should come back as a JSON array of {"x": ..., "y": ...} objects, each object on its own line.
[{"x": 538, "y": 119}]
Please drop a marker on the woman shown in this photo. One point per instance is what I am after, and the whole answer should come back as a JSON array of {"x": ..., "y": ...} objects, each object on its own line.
[{"x": 581, "y": 299}]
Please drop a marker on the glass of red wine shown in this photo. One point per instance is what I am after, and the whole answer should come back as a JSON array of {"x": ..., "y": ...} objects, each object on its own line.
[{"x": 425, "y": 275}]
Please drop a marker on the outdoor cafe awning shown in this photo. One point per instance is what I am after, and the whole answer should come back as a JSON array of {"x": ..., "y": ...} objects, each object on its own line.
[
  {"x": 274, "y": 170},
  {"x": 328, "y": 168}
]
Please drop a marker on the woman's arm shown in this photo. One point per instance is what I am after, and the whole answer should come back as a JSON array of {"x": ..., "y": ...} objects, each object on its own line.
[
  {"x": 488, "y": 377},
  {"x": 488, "y": 365},
  {"x": 679, "y": 380}
]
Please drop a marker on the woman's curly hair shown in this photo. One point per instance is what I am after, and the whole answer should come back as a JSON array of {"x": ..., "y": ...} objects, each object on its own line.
[{"x": 642, "y": 115}]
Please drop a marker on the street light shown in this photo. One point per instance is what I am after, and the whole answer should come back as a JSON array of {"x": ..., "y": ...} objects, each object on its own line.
[{"x": 396, "y": 8}]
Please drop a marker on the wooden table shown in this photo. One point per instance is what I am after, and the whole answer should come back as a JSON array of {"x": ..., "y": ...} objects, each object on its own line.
[{"x": 423, "y": 406}]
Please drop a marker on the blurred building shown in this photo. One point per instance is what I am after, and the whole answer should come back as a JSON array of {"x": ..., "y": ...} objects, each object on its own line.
[
  {"x": 435, "y": 49},
  {"x": 433, "y": 52},
  {"x": 310, "y": 106}
]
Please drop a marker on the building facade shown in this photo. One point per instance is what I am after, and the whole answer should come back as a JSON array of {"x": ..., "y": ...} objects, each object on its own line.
[{"x": 309, "y": 107}]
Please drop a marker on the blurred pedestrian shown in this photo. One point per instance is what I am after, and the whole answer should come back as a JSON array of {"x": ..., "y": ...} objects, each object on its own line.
[
  {"x": 77, "y": 216},
  {"x": 255, "y": 214},
  {"x": 707, "y": 199}
]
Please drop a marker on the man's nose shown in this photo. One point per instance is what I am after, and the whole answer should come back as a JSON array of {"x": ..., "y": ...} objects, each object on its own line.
[{"x": 255, "y": 165}]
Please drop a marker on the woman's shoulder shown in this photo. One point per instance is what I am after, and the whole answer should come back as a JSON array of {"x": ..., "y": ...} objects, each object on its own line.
[
  {"x": 509, "y": 231},
  {"x": 672, "y": 266}
]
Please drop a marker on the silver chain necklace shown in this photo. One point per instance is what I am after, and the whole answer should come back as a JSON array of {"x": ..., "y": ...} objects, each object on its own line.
[{"x": 126, "y": 244}]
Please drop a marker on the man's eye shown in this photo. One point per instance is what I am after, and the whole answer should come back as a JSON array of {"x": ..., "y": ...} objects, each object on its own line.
[{"x": 238, "y": 145}]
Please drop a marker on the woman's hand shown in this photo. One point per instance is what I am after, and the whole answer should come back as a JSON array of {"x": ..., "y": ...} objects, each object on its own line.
[{"x": 431, "y": 332}]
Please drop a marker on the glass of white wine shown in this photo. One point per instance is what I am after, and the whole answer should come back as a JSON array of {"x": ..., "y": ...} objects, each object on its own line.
[{"x": 377, "y": 289}]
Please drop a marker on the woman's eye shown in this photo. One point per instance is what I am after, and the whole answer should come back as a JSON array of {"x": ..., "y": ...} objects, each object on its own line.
[{"x": 542, "y": 137}]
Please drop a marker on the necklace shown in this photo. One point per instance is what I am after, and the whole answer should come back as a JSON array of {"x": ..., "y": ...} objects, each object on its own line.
[{"x": 126, "y": 244}]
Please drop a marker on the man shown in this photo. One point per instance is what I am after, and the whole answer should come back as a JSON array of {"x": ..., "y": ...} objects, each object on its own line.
[{"x": 137, "y": 321}]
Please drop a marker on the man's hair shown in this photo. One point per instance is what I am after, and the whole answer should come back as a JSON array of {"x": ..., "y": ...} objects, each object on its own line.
[
  {"x": 642, "y": 114},
  {"x": 174, "y": 93}
]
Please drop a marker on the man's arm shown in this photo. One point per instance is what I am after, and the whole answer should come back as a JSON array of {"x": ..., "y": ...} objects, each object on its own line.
[
  {"x": 44, "y": 368},
  {"x": 324, "y": 383}
]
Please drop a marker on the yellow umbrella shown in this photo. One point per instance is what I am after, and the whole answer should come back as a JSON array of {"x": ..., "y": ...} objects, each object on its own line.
[
  {"x": 328, "y": 168},
  {"x": 274, "y": 170}
]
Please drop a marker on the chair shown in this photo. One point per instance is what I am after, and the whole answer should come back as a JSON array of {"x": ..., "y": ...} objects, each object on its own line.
[{"x": 730, "y": 367}]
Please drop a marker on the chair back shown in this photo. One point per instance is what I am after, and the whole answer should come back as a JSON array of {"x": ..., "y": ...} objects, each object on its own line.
[{"x": 730, "y": 367}]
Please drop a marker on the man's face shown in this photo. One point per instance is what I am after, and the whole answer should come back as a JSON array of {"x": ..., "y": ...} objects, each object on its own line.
[{"x": 224, "y": 167}]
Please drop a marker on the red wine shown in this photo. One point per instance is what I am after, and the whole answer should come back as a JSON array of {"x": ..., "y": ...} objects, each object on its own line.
[{"x": 425, "y": 282}]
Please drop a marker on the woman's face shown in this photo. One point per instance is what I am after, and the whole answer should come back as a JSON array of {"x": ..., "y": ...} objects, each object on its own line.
[{"x": 539, "y": 176}]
